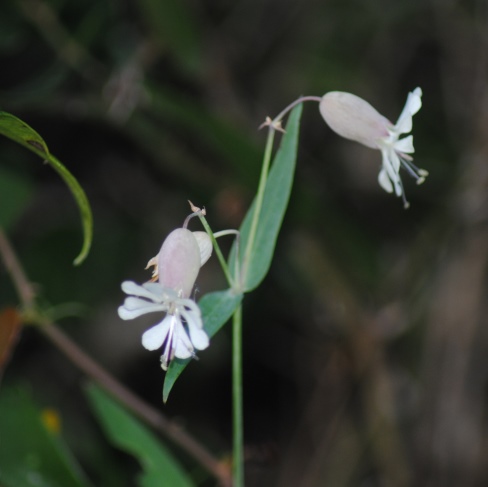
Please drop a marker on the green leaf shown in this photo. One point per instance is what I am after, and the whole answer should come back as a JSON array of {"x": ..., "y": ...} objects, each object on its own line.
[
  {"x": 216, "y": 308},
  {"x": 30, "y": 455},
  {"x": 18, "y": 131},
  {"x": 15, "y": 193},
  {"x": 128, "y": 434},
  {"x": 275, "y": 202}
]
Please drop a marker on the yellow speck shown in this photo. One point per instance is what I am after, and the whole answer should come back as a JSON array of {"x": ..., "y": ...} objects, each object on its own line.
[{"x": 51, "y": 420}]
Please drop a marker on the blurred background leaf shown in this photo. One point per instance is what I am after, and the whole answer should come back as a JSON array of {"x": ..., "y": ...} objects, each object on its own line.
[
  {"x": 125, "y": 432},
  {"x": 18, "y": 131},
  {"x": 30, "y": 453}
]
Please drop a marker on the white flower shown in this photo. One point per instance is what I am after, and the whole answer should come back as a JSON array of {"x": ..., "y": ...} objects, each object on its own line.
[
  {"x": 176, "y": 269},
  {"x": 355, "y": 119}
]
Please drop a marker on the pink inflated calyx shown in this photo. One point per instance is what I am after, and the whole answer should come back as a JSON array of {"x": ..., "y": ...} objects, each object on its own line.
[
  {"x": 354, "y": 118},
  {"x": 179, "y": 262}
]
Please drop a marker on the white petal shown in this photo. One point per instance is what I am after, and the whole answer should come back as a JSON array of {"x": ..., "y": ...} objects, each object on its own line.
[
  {"x": 198, "y": 337},
  {"x": 130, "y": 287},
  {"x": 132, "y": 303},
  {"x": 191, "y": 305},
  {"x": 384, "y": 181},
  {"x": 404, "y": 145},
  {"x": 129, "y": 314},
  {"x": 414, "y": 100},
  {"x": 391, "y": 164},
  {"x": 393, "y": 161},
  {"x": 404, "y": 124},
  {"x": 153, "y": 338},
  {"x": 183, "y": 345},
  {"x": 192, "y": 319},
  {"x": 412, "y": 106},
  {"x": 205, "y": 246}
]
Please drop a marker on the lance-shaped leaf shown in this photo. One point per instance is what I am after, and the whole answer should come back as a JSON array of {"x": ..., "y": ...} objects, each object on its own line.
[
  {"x": 30, "y": 454},
  {"x": 127, "y": 433},
  {"x": 18, "y": 131},
  {"x": 275, "y": 202}
]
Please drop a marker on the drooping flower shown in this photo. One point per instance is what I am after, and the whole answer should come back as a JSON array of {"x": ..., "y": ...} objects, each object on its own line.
[
  {"x": 355, "y": 119},
  {"x": 176, "y": 269}
]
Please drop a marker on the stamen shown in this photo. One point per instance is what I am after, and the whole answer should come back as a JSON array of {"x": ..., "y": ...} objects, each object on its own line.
[
  {"x": 406, "y": 204},
  {"x": 169, "y": 349},
  {"x": 418, "y": 174}
]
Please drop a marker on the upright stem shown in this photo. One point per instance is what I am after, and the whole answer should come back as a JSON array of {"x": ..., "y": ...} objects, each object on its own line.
[
  {"x": 259, "y": 203},
  {"x": 273, "y": 125},
  {"x": 216, "y": 247},
  {"x": 237, "y": 408}
]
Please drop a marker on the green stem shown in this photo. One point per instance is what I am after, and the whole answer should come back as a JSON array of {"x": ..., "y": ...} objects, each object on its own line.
[
  {"x": 218, "y": 252},
  {"x": 237, "y": 408},
  {"x": 259, "y": 203}
]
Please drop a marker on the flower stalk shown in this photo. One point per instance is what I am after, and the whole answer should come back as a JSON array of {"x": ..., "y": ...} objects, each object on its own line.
[{"x": 237, "y": 401}]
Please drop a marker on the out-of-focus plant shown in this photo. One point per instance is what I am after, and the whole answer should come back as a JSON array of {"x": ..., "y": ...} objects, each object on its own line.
[
  {"x": 188, "y": 326},
  {"x": 364, "y": 347}
]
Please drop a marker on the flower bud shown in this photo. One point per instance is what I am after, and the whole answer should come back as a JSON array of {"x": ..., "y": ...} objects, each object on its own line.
[{"x": 179, "y": 261}]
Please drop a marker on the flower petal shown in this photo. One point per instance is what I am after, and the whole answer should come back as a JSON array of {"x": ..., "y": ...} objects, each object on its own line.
[
  {"x": 198, "y": 337},
  {"x": 182, "y": 343},
  {"x": 130, "y": 314},
  {"x": 384, "y": 181},
  {"x": 404, "y": 145},
  {"x": 132, "y": 303},
  {"x": 130, "y": 287},
  {"x": 412, "y": 106},
  {"x": 391, "y": 164},
  {"x": 153, "y": 338}
]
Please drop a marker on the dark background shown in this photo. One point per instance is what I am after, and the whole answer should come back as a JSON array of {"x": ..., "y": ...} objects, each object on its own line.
[{"x": 365, "y": 349}]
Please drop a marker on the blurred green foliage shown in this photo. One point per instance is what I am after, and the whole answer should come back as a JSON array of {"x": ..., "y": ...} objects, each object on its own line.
[{"x": 365, "y": 349}]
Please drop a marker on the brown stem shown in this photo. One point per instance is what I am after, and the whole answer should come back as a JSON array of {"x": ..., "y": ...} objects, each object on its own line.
[
  {"x": 140, "y": 408},
  {"x": 24, "y": 288},
  {"x": 84, "y": 362}
]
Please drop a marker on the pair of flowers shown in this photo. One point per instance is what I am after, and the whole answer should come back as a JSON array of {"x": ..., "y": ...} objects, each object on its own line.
[{"x": 183, "y": 252}]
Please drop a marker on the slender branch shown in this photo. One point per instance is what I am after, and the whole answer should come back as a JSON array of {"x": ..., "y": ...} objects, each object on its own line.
[
  {"x": 92, "y": 369},
  {"x": 294, "y": 104},
  {"x": 237, "y": 402},
  {"x": 24, "y": 288},
  {"x": 140, "y": 408}
]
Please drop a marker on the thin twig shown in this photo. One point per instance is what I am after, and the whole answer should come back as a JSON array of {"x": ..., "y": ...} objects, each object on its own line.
[
  {"x": 24, "y": 288},
  {"x": 84, "y": 362},
  {"x": 140, "y": 408}
]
